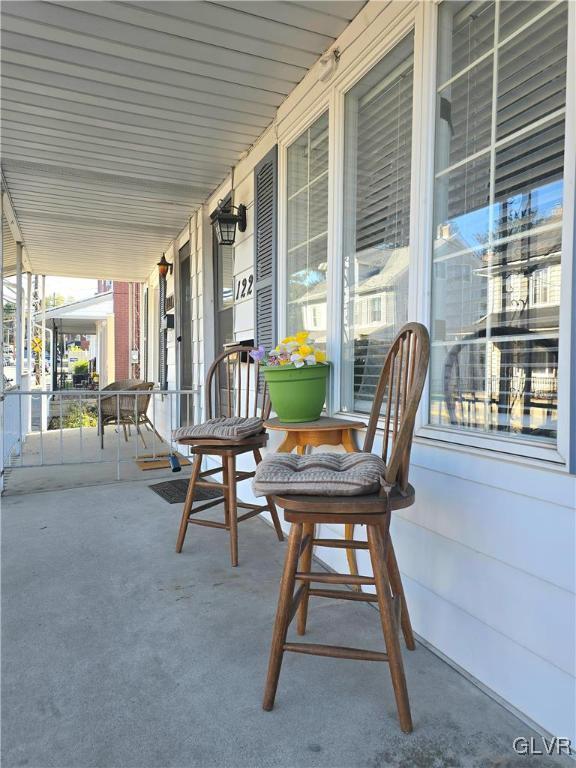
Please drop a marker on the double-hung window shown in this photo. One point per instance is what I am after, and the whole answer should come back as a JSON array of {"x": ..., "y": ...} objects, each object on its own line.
[
  {"x": 307, "y": 228},
  {"x": 377, "y": 164},
  {"x": 498, "y": 207}
]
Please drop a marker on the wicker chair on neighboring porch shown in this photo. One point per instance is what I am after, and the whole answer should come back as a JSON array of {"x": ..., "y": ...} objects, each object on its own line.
[{"x": 126, "y": 409}]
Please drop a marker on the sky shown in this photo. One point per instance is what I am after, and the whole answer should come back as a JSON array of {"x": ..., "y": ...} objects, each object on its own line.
[{"x": 71, "y": 287}]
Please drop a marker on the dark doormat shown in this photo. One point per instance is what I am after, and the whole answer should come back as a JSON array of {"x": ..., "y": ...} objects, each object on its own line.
[{"x": 174, "y": 491}]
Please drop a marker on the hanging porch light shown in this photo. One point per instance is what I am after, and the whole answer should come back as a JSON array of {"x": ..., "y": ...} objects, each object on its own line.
[{"x": 164, "y": 267}]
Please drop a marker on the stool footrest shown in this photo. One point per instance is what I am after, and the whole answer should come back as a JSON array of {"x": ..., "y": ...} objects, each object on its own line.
[
  {"x": 244, "y": 475},
  {"x": 334, "y": 578},
  {"x": 208, "y": 472},
  {"x": 207, "y": 505},
  {"x": 336, "y": 651},
  {"x": 341, "y": 543},
  {"x": 251, "y": 513},
  {"x": 209, "y": 484},
  {"x": 208, "y": 523},
  {"x": 344, "y": 594},
  {"x": 245, "y": 505}
]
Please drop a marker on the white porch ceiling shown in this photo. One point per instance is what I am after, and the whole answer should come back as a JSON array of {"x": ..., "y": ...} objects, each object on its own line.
[{"x": 120, "y": 118}]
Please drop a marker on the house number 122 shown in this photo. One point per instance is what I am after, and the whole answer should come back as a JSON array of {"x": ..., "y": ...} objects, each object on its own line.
[{"x": 244, "y": 287}]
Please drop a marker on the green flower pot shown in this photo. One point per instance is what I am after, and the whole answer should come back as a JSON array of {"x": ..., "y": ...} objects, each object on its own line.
[{"x": 297, "y": 394}]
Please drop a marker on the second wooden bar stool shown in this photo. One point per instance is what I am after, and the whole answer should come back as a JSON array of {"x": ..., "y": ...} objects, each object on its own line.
[{"x": 236, "y": 429}]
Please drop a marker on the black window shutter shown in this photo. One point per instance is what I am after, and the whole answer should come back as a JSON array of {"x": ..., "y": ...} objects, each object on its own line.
[{"x": 265, "y": 242}]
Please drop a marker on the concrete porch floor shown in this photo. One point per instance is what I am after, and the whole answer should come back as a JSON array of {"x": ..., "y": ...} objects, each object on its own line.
[{"x": 118, "y": 653}]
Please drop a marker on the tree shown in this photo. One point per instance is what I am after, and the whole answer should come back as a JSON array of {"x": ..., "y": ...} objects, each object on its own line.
[{"x": 54, "y": 300}]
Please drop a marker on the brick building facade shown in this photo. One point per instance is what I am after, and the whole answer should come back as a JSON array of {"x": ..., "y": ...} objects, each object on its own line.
[{"x": 126, "y": 302}]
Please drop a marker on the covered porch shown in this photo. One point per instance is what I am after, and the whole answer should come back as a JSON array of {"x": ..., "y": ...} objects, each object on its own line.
[{"x": 394, "y": 162}]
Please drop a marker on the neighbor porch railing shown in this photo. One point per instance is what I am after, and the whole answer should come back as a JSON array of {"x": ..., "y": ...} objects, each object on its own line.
[{"x": 64, "y": 426}]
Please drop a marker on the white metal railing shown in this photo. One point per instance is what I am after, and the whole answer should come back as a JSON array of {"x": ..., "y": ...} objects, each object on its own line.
[
  {"x": 15, "y": 423},
  {"x": 64, "y": 427}
]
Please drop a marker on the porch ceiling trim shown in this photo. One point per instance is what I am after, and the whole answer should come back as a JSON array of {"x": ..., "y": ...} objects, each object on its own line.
[{"x": 120, "y": 119}]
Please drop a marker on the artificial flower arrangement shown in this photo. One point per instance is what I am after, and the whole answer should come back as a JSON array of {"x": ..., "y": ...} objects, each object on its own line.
[
  {"x": 296, "y": 372},
  {"x": 297, "y": 351}
]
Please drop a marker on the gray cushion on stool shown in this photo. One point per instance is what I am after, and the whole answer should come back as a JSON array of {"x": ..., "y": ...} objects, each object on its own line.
[
  {"x": 320, "y": 474},
  {"x": 221, "y": 428}
]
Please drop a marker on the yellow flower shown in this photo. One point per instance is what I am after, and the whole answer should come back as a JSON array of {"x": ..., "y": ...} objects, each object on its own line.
[
  {"x": 288, "y": 339},
  {"x": 305, "y": 350},
  {"x": 301, "y": 337},
  {"x": 320, "y": 356},
  {"x": 284, "y": 362}
]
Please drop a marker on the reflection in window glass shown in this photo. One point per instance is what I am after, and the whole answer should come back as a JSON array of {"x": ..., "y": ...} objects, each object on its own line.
[
  {"x": 225, "y": 276},
  {"x": 307, "y": 168},
  {"x": 378, "y": 143},
  {"x": 498, "y": 202}
]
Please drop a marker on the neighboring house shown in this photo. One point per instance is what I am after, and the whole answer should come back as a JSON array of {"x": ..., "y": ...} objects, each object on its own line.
[
  {"x": 84, "y": 323},
  {"x": 123, "y": 332}
]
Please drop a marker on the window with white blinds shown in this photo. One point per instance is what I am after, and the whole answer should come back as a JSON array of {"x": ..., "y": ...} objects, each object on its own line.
[
  {"x": 307, "y": 225},
  {"x": 498, "y": 206},
  {"x": 377, "y": 163}
]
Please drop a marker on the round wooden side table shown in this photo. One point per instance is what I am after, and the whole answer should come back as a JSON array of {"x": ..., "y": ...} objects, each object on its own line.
[{"x": 324, "y": 431}]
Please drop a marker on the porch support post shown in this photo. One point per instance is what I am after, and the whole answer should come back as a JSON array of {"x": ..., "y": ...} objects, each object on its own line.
[
  {"x": 43, "y": 380},
  {"x": 18, "y": 331},
  {"x": 54, "y": 356},
  {"x": 2, "y": 335},
  {"x": 29, "y": 329},
  {"x": 2, "y": 312},
  {"x": 43, "y": 321},
  {"x": 29, "y": 317}
]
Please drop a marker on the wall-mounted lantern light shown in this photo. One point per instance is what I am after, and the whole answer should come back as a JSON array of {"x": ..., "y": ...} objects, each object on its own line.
[
  {"x": 224, "y": 221},
  {"x": 164, "y": 267}
]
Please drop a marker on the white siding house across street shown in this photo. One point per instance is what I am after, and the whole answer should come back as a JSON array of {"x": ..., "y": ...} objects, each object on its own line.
[{"x": 425, "y": 169}]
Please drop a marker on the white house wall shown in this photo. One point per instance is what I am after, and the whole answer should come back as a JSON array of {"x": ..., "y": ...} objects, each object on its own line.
[{"x": 487, "y": 551}]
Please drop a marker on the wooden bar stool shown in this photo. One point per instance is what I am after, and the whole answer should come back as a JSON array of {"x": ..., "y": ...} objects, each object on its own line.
[
  {"x": 235, "y": 405},
  {"x": 400, "y": 387}
]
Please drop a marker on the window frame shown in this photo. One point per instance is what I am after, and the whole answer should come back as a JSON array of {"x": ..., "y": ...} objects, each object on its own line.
[
  {"x": 520, "y": 448},
  {"x": 422, "y": 20},
  {"x": 404, "y": 26}
]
